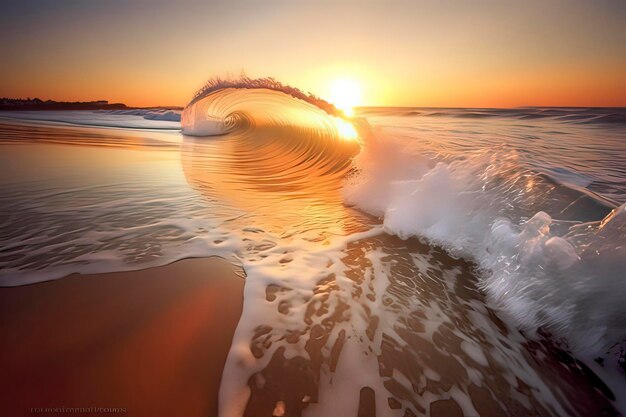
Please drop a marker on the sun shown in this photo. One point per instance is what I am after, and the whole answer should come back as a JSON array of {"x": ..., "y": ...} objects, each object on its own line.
[{"x": 345, "y": 94}]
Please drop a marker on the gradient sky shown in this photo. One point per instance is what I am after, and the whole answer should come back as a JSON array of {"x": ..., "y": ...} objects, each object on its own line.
[{"x": 499, "y": 53}]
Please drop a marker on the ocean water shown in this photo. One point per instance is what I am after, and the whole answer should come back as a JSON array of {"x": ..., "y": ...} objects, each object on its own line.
[{"x": 407, "y": 261}]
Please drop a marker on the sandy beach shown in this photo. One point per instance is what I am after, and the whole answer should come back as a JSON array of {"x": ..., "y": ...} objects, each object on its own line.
[{"x": 141, "y": 343}]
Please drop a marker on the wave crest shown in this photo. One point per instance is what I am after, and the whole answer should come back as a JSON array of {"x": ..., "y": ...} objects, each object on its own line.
[
  {"x": 224, "y": 105},
  {"x": 268, "y": 83}
]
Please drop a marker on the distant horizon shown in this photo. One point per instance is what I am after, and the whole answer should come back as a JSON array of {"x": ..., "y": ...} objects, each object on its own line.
[{"x": 180, "y": 107}]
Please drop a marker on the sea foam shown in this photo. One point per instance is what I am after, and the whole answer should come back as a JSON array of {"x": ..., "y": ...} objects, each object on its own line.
[
  {"x": 126, "y": 119},
  {"x": 564, "y": 275}
]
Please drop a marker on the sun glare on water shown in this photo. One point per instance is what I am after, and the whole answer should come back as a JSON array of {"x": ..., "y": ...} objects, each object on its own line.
[
  {"x": 345, "y": 94},
  {"x": 345, "y": 129}
]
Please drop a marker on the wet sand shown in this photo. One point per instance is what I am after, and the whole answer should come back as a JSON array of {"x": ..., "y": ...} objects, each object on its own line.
[{"x": 150, "y": 342}]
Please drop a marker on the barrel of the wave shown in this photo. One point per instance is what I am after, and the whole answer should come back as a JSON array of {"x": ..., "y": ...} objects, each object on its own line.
[
  {"x": 196, "y": 121},
  {"x": 222, "y": 107}
]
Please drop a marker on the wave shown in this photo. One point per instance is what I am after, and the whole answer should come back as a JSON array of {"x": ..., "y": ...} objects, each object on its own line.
[
  {"x": 541, "y": 255},
  {"x": 223, "y": 106},
  {"x": 149, "y": 114},
  {"x": 279, "y": 138},
  {"x": 581, "y": 116}
]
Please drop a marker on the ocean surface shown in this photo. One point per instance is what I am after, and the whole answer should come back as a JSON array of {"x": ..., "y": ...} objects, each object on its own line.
[{"x": 407, "y": 261}]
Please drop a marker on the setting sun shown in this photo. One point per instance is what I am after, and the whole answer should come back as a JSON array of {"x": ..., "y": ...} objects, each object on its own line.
[{"x": 345, "y": 94}]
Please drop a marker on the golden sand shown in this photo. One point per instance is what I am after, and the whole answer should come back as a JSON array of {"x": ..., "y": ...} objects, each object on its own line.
[{"x": 150, "y": 342}]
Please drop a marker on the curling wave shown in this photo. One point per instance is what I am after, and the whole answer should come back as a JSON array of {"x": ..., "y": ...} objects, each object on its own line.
[
  {"x": 223, "y": 106},
  {"x": 282, "y": 146}
]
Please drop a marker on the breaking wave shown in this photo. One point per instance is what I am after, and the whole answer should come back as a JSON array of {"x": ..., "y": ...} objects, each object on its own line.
[
  {"x": 552, "y": 256},
  {"x": 224, "y": 105}
]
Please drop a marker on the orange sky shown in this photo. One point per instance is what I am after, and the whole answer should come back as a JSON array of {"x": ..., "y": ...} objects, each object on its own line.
[{"x": 496, "y": 53}]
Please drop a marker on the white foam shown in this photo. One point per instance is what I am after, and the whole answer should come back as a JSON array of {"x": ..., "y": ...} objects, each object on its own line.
[
  {"x": 131, "y": 118},
  {"x": 475, "y": 206}
]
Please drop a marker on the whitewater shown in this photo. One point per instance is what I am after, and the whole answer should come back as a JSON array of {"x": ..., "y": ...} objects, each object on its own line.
[{"x": 415, "y": 260}]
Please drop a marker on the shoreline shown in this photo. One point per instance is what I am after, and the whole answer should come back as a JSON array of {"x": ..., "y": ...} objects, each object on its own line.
[{"x": 144, "y": 343}]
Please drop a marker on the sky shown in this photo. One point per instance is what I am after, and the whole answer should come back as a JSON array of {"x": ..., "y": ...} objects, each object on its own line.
[{"x": 449, "y": 53}]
